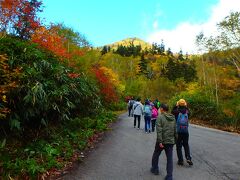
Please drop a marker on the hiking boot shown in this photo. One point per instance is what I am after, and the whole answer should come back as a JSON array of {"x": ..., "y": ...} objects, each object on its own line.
[
  {"x": 154, "y": 171},
  {"x": 168, "y": 177},
  {"x": 189, "y": 162},
  {"x": 180, "y": 163}
]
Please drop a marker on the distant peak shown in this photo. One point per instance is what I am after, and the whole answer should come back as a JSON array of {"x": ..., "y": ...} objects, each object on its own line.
[{"x": 126, "y": 42}]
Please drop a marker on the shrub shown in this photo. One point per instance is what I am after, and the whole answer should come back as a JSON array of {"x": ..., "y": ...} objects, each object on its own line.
[
  {"x": 200, "y": 106},
  {"x": 47, "y": 89}
]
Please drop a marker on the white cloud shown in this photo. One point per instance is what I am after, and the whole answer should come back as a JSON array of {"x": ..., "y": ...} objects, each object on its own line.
[
  {"x": 155, "y": 25},
  {"x": 184, "y": 34}
]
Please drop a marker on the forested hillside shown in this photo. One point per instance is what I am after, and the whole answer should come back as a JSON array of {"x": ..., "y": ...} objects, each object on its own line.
[{"x": 57, "y": 93}]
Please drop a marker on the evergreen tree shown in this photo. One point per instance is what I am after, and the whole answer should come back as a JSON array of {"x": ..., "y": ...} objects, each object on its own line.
[
  {"x": 137, "y": 50},
  {"x": 169, "y": 52},
  {"x": 108, "y": 49},
  {"x": 104, "y": 50},
  {"x": 191, "y": 72},
  {"x": 146, "y": 51},
  {"x": 121, "y": 50},
  {"x": 161, "y": 48},
  {"x": 180, "y": 55},
  {"x": 143, "y": 65},
  {"x": 176, "y": 69},
  {"x": 154, "y": 49},
  {"x": 130, "y": 50},
  {"x": 171, "y": 69}
]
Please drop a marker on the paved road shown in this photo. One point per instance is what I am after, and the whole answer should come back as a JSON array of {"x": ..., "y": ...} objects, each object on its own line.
[{"x": 125, "y": 154}]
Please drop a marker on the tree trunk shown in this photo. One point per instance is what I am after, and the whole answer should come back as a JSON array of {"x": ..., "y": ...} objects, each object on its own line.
[
  {"x": 203, "y": 70},
  {"x": 236, "y": 62},
  {"x": 216, "y": 85}
]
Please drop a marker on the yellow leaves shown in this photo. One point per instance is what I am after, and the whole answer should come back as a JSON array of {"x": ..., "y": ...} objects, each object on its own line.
[
  {"x": 155, "y": 67},
  {"x": 192, "y": 88},
  {"x": 113, "y": 78},
  {"x": 228, "y": 112},
  {"x": 4, "y": 98},
  {"x": 233, "y": 84},
  {"x": 121, "y": 88},
  {"x": 8, "y": 81}
]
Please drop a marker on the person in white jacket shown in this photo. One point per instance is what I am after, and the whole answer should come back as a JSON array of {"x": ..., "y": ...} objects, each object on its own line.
[{"x": 137, "y": 112}]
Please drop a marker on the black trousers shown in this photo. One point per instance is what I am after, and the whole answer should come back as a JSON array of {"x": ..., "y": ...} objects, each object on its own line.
[
  {"x": 137, "y": 117},
  {"x": 153, "y": 121},
  {"x": 168, "y": 148},
  {"x": 182, "y": 140},
  {"x": 129, "y": 111}
]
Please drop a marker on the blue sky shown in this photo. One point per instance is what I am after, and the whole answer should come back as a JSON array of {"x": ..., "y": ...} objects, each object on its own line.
[{"x": 107, "y": 21}]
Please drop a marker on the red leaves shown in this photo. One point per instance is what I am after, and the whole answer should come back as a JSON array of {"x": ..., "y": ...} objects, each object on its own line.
[
  {"x": 20, "y": 15},
  {"x": 53, "y": 41},
  {"x": 107, "y": 89},
  {"x": 49, "y": 39},
  {"x": 73, "y": 75}
]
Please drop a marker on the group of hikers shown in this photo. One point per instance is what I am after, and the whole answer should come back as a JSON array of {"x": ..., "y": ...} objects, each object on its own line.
[{"x": 171, "y": 128}]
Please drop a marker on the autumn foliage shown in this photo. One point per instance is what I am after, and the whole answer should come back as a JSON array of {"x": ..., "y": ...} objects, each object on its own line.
[
  {"x": 56, "y": 42},
  {"x": 8, "y": 81},
  {"x": 51, "y": 40},
  {"x": 20, "y": 16},
  {"x": 107, "y": 90}
]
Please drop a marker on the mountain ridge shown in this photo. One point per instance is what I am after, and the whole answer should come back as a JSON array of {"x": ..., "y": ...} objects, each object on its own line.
[{"x": 127, "y": 41}]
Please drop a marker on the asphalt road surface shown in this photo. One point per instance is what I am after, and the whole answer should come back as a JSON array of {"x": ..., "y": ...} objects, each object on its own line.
[{"x": 125, "y": 154}]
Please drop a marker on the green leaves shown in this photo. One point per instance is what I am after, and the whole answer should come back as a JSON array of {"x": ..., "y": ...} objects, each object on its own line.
[
  {"x": 46, "y": 91},
  {"x": 15, "y": 124},
  {"x": 3, "y": 143}
]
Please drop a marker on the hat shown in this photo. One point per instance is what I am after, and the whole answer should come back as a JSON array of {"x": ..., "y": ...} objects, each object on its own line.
[{"x": 181, "y": 102}]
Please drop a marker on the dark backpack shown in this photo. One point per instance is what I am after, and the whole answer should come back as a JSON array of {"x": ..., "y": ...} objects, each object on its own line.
[
  {"x": 131, "y": 103},
  {"x": 182, "y": 123}
]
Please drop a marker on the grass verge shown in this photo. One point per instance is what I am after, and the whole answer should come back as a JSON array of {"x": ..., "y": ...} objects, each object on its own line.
[{"x": 53, "y": 151}]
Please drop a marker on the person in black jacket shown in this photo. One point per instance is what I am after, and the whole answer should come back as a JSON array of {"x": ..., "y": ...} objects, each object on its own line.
[{"x": 178, "y": 111}]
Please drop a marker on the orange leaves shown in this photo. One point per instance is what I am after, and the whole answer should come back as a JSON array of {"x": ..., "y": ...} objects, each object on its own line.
[
  {"x": 57, "y": 43},
  {"x": 7, "y": 12},
  {"x": 49, "y": 39},
  {"x": 107, "y": 89},
  {"x": 20, "y": 15},
  {"x": 113, "y": 77},
  {"x": 73, "y": 75},
  {"x": 10, "y": 6}
]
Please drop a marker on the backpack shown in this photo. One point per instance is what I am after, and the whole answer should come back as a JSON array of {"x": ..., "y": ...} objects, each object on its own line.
[
  {"x": 158, "y": 104},
  {"x": 147, "y": 110},
  {"x": 131, "y": 103},
  {"x": 182, "y": 123},
  {"x": 154, "y": 113}
]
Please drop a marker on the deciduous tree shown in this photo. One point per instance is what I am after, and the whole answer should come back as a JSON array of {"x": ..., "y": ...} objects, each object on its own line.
[{"x": 20, "y": 16}]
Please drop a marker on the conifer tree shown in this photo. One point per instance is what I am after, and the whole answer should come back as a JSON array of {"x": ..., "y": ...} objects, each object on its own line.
[
  {"x": 161, "y": 48},
  {"x": 104, "y": 50},
  {"x": 180, "y": 55},
  {"x": 143, "y": 65}
]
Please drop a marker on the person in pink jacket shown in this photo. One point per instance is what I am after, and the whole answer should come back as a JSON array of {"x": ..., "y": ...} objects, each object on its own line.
[{"x": 154, "y": 116}]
